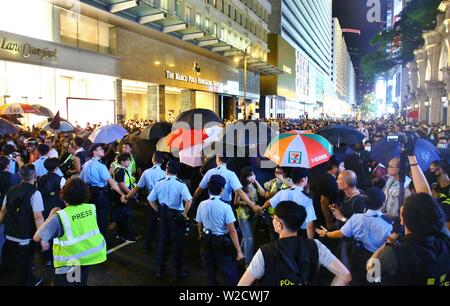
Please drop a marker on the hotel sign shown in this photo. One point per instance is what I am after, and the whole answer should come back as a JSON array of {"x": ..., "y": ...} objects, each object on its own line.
[
  {"x": 26, "y": 49},
  {"x": 191, "y": 79}
]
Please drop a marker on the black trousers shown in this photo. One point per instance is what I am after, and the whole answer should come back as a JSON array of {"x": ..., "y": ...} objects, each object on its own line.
[
  {"x": 74, "y": 278},
  {"x": 24, "y": 256},
  {"x": 173, "y": 231},
  {"x": 123, "y": 215},
  {"x": 218, "y": 261},
  {"x": 152, "y": 227},
  {"x": 100, "y": 198}
]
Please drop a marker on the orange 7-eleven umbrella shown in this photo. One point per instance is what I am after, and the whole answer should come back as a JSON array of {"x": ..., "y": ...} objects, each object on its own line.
[{"x": 299, "y": 149}]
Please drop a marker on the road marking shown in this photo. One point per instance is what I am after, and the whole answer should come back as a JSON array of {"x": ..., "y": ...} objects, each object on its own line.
[{"x": 122, "y": 245}]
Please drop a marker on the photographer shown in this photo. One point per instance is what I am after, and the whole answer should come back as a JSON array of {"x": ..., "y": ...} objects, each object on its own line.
[{"x": 15, "y": 160}]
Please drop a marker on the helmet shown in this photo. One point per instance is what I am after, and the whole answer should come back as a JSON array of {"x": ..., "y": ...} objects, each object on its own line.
[{"x": 31, "y": 142}]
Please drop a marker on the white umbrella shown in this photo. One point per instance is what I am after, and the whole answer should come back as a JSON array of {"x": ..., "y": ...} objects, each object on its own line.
[
  {"x": 192, "y": 156},
  {"x": 108, "y": 134}
]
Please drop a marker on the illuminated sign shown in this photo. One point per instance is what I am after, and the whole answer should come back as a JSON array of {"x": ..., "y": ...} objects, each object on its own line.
[
  {"x": 26, "y": 50},
  {"x": 191, "y": 79}
]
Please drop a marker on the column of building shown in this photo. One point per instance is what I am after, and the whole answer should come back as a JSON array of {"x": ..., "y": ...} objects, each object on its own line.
[{"x": 421, "y": 95}]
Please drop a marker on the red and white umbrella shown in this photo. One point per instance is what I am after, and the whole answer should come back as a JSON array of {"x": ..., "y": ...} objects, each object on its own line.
[{"x": 17, "y": 108}]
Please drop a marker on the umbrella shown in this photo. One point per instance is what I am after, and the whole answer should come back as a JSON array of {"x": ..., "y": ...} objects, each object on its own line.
[
  {"x": 192, "y": 156},
  {"x": 17, "y": 108},
  {"x": 107, "y": 134},
  {"x": 56, "y": 122},
  {"x": 162, "y": 145},
  {"x": 425, "y": 152},
  {"x": 12, "y": 118},
  {"x": 156, "y": 131},
  {"x": 197, "y": 118},
  {"x": 7, "y": 127},
  {"x": 43, "y": 111},
  {"x": 338, "y": 133},
  {"x": 142, "y": 149},
  {"x": 413, "y": 114},
  {"x": 298, "y": 149},
  {"x": 64, "y": 127},
  {"x": 244, "y": 133}
]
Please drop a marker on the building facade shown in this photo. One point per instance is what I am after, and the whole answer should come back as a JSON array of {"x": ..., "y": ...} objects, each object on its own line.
[
  {"x": 353, "y": 40},
  {"x": 342, "y": 75},
  {"x": 306, "y": 25},
  {"x": 430, "y": 72},
  {"x": 134, "y": 59}
]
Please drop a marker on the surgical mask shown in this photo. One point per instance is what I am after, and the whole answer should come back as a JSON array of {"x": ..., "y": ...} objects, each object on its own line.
[
  {"x": 441, "y": 146},
  {"x": 368, "y": 148}
]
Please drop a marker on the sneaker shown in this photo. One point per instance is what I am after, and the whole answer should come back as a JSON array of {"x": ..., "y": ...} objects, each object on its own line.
[{"x": 131, "y": 240}]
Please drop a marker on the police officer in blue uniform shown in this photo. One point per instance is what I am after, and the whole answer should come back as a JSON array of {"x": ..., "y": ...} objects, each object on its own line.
[
  {"x": 297, "y": 194},
  {"x": 96, "y": 175},
  {"x": 148, "y": 181},
  {"x": 367, "y": 233},
  {"x": 218, "y": 235},
  {"x": 232, "y": 184},
  {"x": 170, "y": 193}
]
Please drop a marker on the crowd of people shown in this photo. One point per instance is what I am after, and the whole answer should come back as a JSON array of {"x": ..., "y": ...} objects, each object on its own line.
[{"x": 61, "y": 195}]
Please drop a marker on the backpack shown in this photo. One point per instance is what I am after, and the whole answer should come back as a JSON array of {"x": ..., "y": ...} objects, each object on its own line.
[{"x": 290, "y": 262}]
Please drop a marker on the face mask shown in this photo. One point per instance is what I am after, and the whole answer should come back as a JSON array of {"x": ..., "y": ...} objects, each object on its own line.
[
  {"x": 367, "y": 148},
  {"x": 441, "y": 146}
]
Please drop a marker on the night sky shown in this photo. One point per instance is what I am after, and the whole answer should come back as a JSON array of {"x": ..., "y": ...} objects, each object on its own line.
[{"x": 353, "y": 14}]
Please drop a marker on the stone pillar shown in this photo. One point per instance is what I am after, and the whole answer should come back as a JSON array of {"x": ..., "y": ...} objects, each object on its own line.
[
  {"x": 156, "y": 102},
  {"x": 446, "y": 80},
  {"x": 433, "y": 49},
  {"x": 187, "y": 100},
  {"x": 434, "y": 90},
  {"x": 119, "y": 99},
  {"x": 421, "y": 96}
]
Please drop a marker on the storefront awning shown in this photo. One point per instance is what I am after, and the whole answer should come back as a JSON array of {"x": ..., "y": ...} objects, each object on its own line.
[{"x": 149, "y": 13}]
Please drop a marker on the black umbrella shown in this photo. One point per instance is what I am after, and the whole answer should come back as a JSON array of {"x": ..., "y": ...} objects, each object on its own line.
[
  {"x": 43, "y": 111},
  {"x": 338, "y": 134},
  {"x": 12, "y": 118},
  {"x": 156, "y": 131},
  {"x": 7, "y": 127},
  {"x": 142, "y": 149},
  {"x": 245, "y": 137},
  {"x": 197, "y": 118}
]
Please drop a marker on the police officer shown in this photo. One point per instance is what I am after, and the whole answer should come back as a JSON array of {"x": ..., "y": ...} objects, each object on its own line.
[
  {"x": 297, "y": 195},
  {"x": 232, "y": 184},
  {"x": 126, "y": 148},
  {"x": 170, "y": 193},
  {"x": 368, "y": 232},
  {"x": 44, "y": 151},
  {"x": 97, "y": 176},
  {"x": 215, "y": 220},
  {"x": 422, "y": 256},
  {"x": 148, "y": 181}
]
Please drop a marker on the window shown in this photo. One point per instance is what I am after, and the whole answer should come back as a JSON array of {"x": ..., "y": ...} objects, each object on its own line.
[
  {"x": 188, "y": 14},
  {"x": 229, "y": 10},
  {"x": 214, "y": 3},
  {"x": 178, "y": 8},
  {"x": 164, "y": 5},
  {"x": 222, "y": 33},
  {"x": 215, "y": 29},
  {"x": 198, "y": 20},
  {"x": 207, "y": 25}
]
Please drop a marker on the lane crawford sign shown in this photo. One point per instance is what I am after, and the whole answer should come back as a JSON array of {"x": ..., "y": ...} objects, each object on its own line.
[{"x": 26, "y": 50}]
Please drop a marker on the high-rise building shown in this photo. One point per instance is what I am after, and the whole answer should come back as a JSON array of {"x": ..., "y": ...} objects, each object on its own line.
[
  {"x": 306, "y": 25},
  {"x": 343, "y": 76},
  {"x": 353, "y": 41}
]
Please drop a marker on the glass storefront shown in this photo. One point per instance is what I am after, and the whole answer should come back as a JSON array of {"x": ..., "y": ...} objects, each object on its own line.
[{"x": 51, "y": 87}]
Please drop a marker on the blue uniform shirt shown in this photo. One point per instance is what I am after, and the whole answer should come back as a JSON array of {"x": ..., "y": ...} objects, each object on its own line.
[
  {"x": 40, "y": 169},
  {"x": 368, "y": 228},
  {"x": 95, "y": 173},
  {"x": 12, "y": 166},
  {"x": 170, "y": 192},
  {"x": 296, "y": 195},
  {"x": 150, "y": 177},
  {"x": 232, "y": 181},
  {"x": 215, "y": 215}
]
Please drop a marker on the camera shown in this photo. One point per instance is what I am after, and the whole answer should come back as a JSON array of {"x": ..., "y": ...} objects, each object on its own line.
[{"x": 396, "y": 138}]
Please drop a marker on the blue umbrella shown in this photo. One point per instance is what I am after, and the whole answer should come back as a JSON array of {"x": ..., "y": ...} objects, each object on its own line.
[
  {"x": 64, "y": 127},
  {"x": 338, "y": 134},
  {"x": 108, "y": 134},
  {"x": 425, "y": 152}
]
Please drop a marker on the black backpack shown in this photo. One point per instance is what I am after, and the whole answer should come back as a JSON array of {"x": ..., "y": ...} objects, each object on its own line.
[{"x": 290, "y": 262}]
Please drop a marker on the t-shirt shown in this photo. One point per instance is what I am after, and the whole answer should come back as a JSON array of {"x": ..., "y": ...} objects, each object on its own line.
[
  {"x": 257, "y": 265},
  {"x": 36, "y": 202},
  {"x": 354, "y": 205},
  {"x": 327, "y": 187}
]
